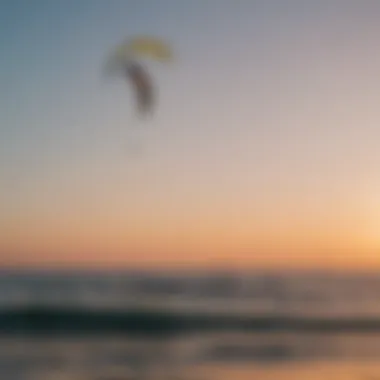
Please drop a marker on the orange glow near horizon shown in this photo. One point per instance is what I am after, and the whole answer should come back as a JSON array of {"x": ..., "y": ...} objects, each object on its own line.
[{"x": 306, "y": 239}]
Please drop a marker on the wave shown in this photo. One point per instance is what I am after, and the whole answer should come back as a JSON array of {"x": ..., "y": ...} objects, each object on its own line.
[{"x": 49, "y": 320}]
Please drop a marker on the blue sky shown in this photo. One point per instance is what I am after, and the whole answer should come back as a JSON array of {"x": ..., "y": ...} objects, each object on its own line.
[{"x": 263, "y": 95}]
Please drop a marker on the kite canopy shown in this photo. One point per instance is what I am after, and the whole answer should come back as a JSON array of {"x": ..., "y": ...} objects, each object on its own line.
[
  {"x": 125, "y": 59},
  {"x": 137, "y": 48},
  {"x": 148, "y": 47}
]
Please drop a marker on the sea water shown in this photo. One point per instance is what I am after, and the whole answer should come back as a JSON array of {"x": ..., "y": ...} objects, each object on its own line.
[{"x": 63, "y": 351}]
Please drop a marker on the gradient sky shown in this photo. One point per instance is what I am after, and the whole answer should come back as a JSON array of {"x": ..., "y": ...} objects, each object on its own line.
[{"x": 264, "y": 150}]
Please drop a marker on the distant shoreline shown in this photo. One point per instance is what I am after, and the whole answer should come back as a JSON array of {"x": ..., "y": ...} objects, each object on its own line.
[{"x": 137, "y": 322}]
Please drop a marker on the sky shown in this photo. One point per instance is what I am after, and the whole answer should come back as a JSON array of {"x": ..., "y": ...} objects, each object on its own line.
[{"x": 263, "y": 149}]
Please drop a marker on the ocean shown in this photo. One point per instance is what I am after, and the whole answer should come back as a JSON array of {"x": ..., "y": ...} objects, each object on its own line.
[{"x": 172, "y": 325}]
